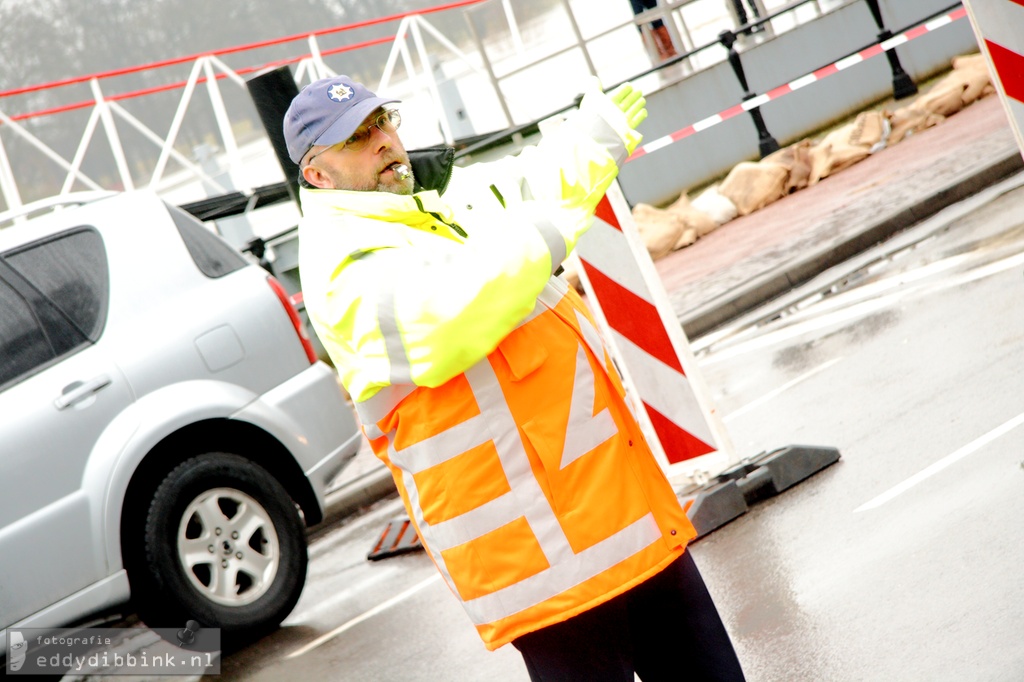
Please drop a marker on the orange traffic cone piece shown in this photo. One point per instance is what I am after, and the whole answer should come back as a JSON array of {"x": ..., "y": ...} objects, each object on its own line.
[{"x": 398, "y": 537}]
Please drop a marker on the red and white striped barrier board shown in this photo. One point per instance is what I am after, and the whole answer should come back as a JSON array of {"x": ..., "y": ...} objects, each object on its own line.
[
  {"x": 813, "y": 77},
  {"x": 999, "y": 26},
  {"x": 650, "y": 348},
  {"x": 630, "y": 303}
]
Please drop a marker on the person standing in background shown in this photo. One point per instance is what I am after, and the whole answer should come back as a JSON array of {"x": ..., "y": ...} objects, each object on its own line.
[{"x": 659, "y": 32}]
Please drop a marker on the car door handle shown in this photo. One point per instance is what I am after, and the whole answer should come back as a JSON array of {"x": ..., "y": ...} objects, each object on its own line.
[{"x": 77, "y": 391}]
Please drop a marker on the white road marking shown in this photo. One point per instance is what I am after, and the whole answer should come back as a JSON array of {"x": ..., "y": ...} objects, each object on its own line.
[
  {"x": 366, "y": 615},
  {"x": 321, "y": 606},
  {"x": 946, "y": 461},
  {"x": 781, "y": 389}
]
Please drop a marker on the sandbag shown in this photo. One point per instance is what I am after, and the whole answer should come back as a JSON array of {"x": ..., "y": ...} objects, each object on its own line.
[
  {"x": 711, "y": 203},
  {"x": 751, "y": 186},
  {"x": 966, "y": 82},
  {"x": 972, "y": 71},
  {"x": 699, "y": 222},
  {"x": 659, "y": 229},
  {"x": 796, "y": 158},
  {"x": 909, "y": 120},
  {"x": 944, "y": 99},
  {"x": 849, "y": 144}
]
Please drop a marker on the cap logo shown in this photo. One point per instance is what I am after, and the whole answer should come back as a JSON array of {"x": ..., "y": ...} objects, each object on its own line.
[{"x": 340, "y": 92}]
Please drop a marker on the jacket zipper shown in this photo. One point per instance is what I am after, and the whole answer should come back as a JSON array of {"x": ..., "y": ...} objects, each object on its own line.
[{"x": 462, "y": 233}]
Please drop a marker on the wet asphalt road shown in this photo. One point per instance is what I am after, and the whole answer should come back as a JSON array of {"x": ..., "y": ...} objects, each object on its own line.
[{"x": 900, "y": 562}]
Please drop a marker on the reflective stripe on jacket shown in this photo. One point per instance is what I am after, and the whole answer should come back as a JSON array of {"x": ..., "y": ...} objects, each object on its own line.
[{"x": 528, "y": 478}]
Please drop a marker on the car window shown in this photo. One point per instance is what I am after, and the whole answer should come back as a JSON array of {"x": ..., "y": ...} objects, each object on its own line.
[
  {"x": 23, "y": 346},
  {"x": 70, "y": 271},
  {"x": 212, "y": 255}
]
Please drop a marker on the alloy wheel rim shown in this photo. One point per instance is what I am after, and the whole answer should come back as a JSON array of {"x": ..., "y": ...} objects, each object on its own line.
[{"x": 228, "y": 547}]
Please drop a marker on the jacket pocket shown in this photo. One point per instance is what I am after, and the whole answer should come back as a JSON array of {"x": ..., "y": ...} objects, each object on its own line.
[{"x": 523, "y": 351}]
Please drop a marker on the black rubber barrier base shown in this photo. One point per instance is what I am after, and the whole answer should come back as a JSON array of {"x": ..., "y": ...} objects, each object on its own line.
[{"x": 730, "y": 494}]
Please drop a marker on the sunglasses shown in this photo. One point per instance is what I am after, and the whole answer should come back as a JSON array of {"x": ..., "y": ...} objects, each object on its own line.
[{"x": 387, "y": 122}]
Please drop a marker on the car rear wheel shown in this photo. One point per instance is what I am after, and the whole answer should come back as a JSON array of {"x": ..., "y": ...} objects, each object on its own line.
[{"x": 224, "y": 545}]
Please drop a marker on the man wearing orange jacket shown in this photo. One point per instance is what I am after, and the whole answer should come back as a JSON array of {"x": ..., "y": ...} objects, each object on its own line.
[{"x": 481, "y": 381}]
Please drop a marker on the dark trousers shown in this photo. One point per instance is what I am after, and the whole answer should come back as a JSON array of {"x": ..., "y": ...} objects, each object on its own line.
[{"x": 666, "y": 628}]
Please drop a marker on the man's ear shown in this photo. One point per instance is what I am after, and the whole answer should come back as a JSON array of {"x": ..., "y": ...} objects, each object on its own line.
[{"x": 316, "y": 177}]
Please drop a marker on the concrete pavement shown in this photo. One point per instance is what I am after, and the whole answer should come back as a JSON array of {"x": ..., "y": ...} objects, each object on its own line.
[{"x": 751, "y": 260}]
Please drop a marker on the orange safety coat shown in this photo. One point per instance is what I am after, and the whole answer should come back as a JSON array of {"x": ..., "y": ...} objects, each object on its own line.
[
  {"x": 527, "y": 476},
  {"x": 481, "y": 380}
]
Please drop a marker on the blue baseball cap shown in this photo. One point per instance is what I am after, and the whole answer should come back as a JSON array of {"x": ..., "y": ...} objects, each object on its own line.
[{"x": 327, "y": 112}]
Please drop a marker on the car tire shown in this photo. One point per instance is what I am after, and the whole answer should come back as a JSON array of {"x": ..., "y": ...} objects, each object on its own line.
[{"x": 225, "y": 546}]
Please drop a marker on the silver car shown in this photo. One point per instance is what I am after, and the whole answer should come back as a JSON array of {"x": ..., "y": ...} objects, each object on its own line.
[{"x": 167, "y": 431}]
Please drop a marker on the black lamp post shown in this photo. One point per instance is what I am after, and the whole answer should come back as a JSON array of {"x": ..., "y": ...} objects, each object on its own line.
[
  {"x": 902, "y": 85},
  {"x": 766, "y": 143}
]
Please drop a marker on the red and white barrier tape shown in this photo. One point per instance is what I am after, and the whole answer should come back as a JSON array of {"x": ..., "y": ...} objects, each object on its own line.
[{"x": 813, "y": 77}]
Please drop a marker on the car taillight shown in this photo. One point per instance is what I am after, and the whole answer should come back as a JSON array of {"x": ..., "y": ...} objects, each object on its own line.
[{"x": 293, "y": 315}]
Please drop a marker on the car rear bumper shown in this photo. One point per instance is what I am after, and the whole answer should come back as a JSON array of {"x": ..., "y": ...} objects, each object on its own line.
[{"x": 310, "y": 416}]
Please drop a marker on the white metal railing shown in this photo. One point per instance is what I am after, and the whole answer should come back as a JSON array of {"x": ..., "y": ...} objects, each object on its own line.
[{"x": 106, "y": 110}]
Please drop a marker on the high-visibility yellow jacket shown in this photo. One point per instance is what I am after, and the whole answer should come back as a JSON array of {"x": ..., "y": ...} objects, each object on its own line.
[{"x": 482, "y": 382}]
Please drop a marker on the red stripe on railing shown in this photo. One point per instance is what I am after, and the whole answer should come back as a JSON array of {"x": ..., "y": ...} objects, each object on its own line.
[
  {"x": 779, "y": 91},
  {"x": 825, "y": 71},
  {"x": 916, "y": 32},
  {"x": 685, "y": 132},
  {"x": 230, "y": 50},
  {"x": 181, "y": 84},
  {"x": 734, "y": 110}
]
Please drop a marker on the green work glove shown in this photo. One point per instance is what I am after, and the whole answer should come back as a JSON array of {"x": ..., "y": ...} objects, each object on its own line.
[
  {"x": 622, "y": 110},
  {"x": 630, "y": 102}
]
